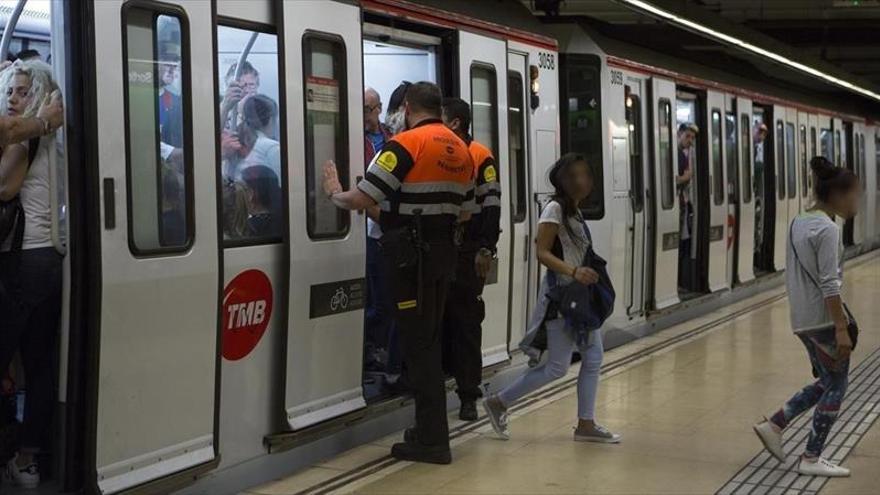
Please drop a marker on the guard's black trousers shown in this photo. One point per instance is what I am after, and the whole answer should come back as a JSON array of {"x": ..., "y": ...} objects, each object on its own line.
[
  {"x": 462, "y": 328},
  {"x": 419, "y": 324}
]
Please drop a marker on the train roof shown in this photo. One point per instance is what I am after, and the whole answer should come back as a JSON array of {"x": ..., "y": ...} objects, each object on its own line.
[{"x": 741, "y": 78}]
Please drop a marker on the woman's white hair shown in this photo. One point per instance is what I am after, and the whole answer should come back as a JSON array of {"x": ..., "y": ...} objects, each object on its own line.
[{"x": 42, "y": 85}]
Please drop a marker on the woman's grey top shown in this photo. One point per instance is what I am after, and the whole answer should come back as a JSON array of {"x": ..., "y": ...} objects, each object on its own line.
[{"x": 818, "y": 275}]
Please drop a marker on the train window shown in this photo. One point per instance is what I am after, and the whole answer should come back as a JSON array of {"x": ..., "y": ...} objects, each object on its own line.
[
  {"x": 814, "y": 150},
  {"x": 664, "y": 120},
  {"x": 877, "y": 159},
  {"x": 730, "y": 151},
  {"x": 516, "y": 125},
  {"x": 780, "y": 159},
  {"x": 746, "y": 160},
  {"x": 717, "y": 166},
  {"x": 250, "y": 160},
  {"x": 827, "y": 144},
  {"x": 637, "y": 170},
  {"x": 804, "y": 190},
  {"x": 863, "y": 165},
  {"x": 326, "y": 129},
  {"x": 791, "y": 160},
  {"x": 838, "y": 145},
  {"x": 484, "y": 106},
  {"x": 582, "y": 122},
  {"x": 158, "y": 132}
]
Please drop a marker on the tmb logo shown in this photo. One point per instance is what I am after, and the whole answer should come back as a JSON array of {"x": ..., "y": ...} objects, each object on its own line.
[{"x": 247, "y": 308}]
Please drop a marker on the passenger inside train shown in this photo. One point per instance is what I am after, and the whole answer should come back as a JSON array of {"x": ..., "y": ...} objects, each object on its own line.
[
  {"x": 251, "y": 161},
  {"x": 687, "y": 135},
  {"x": 30, "y": 270}
]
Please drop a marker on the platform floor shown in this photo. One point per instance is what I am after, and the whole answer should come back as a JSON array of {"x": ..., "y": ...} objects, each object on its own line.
[{"x": 684, "y": 400}]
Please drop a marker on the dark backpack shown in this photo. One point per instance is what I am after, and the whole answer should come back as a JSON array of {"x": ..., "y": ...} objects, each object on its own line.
[
  {"x": 587, "y": 306},
  {"x": 11, "y": 212}
]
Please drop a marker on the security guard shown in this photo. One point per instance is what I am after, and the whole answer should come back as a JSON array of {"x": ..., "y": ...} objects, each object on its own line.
[
  {"x": 465, "y": 310},
  {"x": 422, "y": 181}
]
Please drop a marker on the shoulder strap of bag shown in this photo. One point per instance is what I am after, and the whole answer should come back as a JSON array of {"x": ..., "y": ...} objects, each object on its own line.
[{"x": 798, "y": 258}]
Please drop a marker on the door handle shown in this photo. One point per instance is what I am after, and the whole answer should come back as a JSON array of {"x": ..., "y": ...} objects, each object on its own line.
[{"x": 109, "y": 203}]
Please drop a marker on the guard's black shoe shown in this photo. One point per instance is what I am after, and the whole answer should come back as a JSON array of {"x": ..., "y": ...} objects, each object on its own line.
[
  {"x": 415, "y": 452},
  {"x": 409, "y": 435},
  {"x": 468, "y": 411}
]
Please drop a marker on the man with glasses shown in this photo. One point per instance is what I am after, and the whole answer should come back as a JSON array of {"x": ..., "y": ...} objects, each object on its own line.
[{"x": 378, "y": 321}]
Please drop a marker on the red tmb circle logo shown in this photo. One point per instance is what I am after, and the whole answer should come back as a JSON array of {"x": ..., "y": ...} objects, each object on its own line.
[{"x": 247, "y": 307}]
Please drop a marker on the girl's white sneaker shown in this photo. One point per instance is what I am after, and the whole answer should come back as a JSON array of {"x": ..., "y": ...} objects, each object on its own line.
[{"x": 821, "y": 467}]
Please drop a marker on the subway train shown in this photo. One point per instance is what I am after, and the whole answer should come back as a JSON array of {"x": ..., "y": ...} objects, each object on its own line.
[{"x": 202, "y": 356}]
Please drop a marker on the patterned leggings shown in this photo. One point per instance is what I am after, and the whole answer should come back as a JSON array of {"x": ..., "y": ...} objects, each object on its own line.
[{"x": 826, "y": 393}]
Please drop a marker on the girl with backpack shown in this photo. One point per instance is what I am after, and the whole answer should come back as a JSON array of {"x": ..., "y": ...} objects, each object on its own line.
[
  {"x": 561, "y": 225},
  {"x": 813, "y": 277}
]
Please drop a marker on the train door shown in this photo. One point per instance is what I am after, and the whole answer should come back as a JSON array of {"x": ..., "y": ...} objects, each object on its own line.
[
  {"x": 803, "y": 162},
  {"x": 718, "y": 190},
  {"x": 321, "y": 43},
  {"x": 872, "y": 180},
  {"x": 157, "y": 346},
  {"x": 777, "y": 194},
  {"x": 765, "y": 201},
  {"x": 731, "y": 169},
  {"x": 253, "y": 320},
  {"x": 667, "y": 221},
  {"x": 483, "y": 83},
  {"x": 859, "y": 156},
  {"x": 850, "y": 161},
  {"x": 693, "y": 195},
  {"x": 746, "y": 194},
  {"x": 518, "y": 176},
  {"x": 634, "y": 291},
  {"x": 839, "y": 159},
  {"x": 792, "y": 172}
]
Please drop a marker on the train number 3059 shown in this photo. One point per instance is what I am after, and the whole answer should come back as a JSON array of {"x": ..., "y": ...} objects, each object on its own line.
[{"x": 546, "y": 61}]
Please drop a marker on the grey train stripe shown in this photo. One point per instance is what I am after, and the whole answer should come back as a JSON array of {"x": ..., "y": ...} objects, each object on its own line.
[{"x": 861, "y": 408}]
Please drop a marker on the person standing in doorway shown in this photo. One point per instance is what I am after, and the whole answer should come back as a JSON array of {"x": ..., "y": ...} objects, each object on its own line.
[
  {"x": 465, "y": 309},
  {"x": 813, "y": 278},
  {"x": 378, "y": 321},
  {"x": 687, "y": 134},
  {"x": 423, "y": 182}
]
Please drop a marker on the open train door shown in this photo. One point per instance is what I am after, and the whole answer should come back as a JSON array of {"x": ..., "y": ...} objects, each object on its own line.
[
  {"x": 322, "y": 68},
  {"x": 746, "y": 221},
  {"x": 667, "y": 232},
  {"x": 156, "y": 350},
  {"x": 483, "y": 84}
]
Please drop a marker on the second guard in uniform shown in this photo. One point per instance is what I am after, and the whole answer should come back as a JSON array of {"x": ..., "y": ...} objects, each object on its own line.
[
  {"x": 422, "y": 181},
  {"x": 465, "y": 309}
]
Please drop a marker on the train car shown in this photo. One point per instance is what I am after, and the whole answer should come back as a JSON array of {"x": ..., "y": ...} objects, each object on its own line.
[
  {"x": 213, "y": 309},
  {"x": 625, "y": 106}
]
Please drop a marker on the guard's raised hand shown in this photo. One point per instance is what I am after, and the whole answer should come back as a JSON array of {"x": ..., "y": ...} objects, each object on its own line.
[{"x": 331, "y": 179}]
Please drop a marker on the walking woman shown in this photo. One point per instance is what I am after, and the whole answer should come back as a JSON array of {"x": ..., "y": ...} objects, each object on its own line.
[
  {"x": 813, "y": 277},
  {"x": 562, "y": 225}
]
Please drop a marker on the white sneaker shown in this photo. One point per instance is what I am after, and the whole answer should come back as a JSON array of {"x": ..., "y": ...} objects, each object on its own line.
[
  {"x": 821, "y": 467},
  {"x": 25, "y": 477},
  {"x": 771, "y": 439},
  {"x": 599, "y": 434},
  {"x": 498, "y": 417}
]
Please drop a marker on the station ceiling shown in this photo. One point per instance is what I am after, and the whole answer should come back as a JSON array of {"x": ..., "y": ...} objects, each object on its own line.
[{"x": 838, "y": 37}]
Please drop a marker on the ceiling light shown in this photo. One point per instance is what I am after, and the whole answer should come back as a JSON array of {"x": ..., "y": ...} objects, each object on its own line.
[{"x": 726, "y": 38}]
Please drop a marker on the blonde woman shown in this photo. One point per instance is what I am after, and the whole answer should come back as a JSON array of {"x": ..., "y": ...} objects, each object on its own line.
[{"x": 30, "y": 267}]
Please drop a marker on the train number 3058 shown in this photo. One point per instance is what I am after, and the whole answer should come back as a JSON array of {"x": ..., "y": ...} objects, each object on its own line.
[{"x": 546, "y": 61}]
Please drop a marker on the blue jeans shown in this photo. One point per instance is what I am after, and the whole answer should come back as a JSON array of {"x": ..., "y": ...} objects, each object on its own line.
[
  {"x": 826, "y": 393},
  {"x": 560, "y": 346},
  {"x": 379, "y": 327}
]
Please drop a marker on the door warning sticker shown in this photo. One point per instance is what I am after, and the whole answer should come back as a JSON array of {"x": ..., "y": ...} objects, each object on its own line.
[{"x": 247, "y": 308}]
